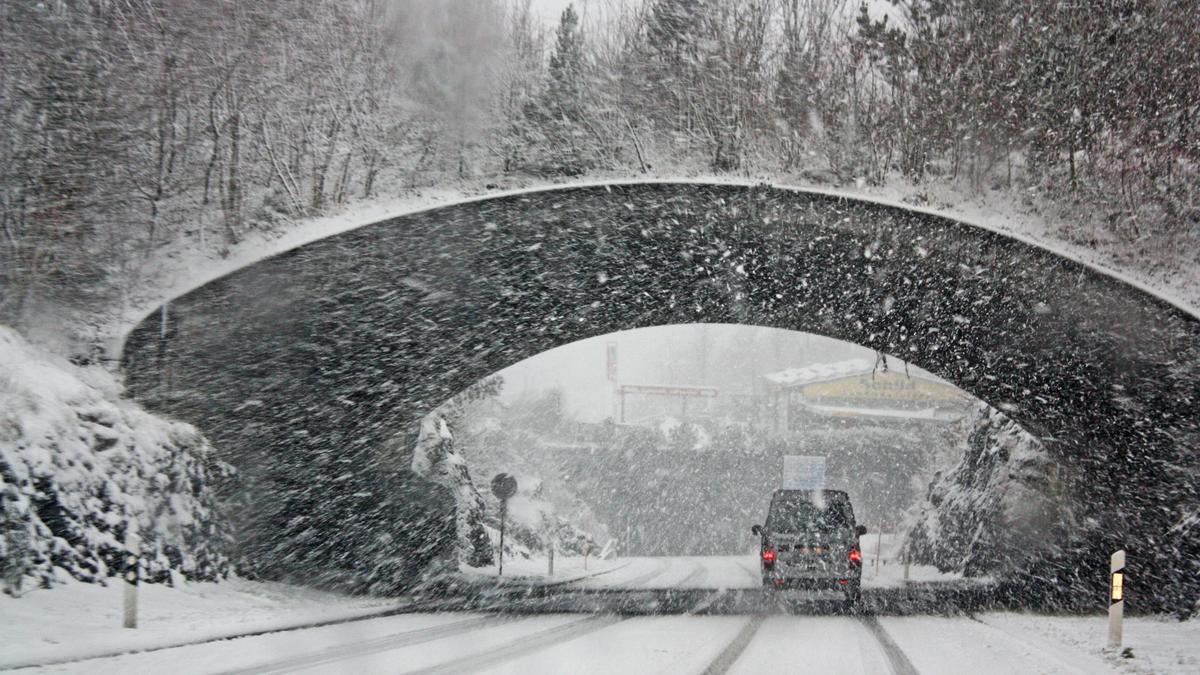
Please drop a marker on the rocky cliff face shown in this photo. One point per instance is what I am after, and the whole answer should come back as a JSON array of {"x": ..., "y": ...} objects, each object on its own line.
[
  {"x": 1016, "y": 511},
  {"x": 1005, "y": 502},
  {"x": 436, "y": 459},
  {"x": 80, "y": 468}
]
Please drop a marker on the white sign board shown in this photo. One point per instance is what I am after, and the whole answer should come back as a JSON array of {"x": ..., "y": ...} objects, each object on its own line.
[{"x": 803, "y": 472}]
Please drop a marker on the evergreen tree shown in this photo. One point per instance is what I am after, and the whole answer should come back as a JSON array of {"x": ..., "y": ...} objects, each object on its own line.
[
  {"x": 674, "y": 29},
  {"x": 564, "y": 90},
  {"x": 560, "y": 128}
]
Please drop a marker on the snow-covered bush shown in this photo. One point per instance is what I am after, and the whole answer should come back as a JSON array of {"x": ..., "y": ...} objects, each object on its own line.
[{"x": 79, "y": 465}]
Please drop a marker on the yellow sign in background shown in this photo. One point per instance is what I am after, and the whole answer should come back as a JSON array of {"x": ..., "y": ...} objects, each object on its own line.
[{"x": 885, "y": 386}]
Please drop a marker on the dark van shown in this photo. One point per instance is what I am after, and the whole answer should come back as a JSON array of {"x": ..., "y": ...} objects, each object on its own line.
[{"x": 810, "y": 540}]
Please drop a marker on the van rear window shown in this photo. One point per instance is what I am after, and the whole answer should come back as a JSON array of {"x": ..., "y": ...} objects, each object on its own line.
[{"x": 798, "y": 515}]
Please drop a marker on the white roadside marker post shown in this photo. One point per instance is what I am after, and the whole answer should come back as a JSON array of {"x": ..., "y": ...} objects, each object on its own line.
[
  {"x": 1116, "y": 599},
  {"x": 549, "y": 535},
  {"x": 134, "y": 543},
  {"x": 878, "y": 547}
]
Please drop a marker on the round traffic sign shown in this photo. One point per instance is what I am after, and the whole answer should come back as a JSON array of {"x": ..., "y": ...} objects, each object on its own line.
[{"x": 504, "y": 486}]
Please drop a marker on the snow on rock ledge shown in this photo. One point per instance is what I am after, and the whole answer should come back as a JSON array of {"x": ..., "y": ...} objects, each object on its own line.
[{"x": 78, "y": 465}]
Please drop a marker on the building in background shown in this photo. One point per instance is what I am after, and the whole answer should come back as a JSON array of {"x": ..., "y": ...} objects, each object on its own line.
[{"x": 857, "y": 391}]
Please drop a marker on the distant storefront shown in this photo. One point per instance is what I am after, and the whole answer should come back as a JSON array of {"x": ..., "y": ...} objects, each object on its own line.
[{"x": 857, "y": 391}]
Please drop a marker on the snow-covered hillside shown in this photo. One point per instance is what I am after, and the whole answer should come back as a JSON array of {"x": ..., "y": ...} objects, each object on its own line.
[{"x": 79, "y": 466}]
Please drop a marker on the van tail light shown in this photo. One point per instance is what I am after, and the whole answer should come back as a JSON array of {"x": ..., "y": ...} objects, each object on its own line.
[
  {"x": 855, "y": 556},
  {"x": 768, "y": 555}
]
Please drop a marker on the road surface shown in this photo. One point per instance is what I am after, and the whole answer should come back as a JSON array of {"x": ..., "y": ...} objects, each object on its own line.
[{"x": 797, "y": 635}]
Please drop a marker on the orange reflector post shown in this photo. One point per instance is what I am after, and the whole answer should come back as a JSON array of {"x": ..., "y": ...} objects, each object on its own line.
[{"x": 1116, "y": 599}]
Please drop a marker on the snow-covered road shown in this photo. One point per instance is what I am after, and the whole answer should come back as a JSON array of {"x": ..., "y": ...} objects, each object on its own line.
[
  {"x": 684, "y": 638},
  {"x": 574, "y": 643}
]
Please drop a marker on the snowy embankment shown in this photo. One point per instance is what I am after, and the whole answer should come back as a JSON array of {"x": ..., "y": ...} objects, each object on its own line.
[
  {"x": 79, "y": 467},
  {"x": 1151, "y": 644},
  {"x": 82, "y": 620},
  {"x": 1013, "y": 642},
  {"x": 185, "y": 266}
]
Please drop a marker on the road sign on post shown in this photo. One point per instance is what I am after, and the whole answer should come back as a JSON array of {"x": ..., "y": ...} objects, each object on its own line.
[
  {"x": 1116, "y": 598},
  {"x": 503, "y": 486},
  {"x": 680, "y": 391},
  {"x": 803, "y": 472}
]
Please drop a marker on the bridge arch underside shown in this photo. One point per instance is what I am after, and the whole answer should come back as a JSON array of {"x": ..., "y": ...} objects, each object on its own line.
[{"x": 311, "y": 369}]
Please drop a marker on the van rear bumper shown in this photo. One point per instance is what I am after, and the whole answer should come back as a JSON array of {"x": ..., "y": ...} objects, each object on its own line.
[{"x": 812, "y": 584}]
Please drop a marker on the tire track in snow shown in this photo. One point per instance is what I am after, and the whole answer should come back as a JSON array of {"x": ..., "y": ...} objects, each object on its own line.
[
  {"x": 696, "y": 578},
  {"x": 404, "y": 639},
  {"x": 660, "y": 567},
  {"x": 528, "y": 644},
  {"x": 898, "y": 662},
  {"x": 643, "y": 581},
  {"x": 734, "y": 649},
  {"x": 721, "y": 594},
  {"x": 752, "y": 569}
]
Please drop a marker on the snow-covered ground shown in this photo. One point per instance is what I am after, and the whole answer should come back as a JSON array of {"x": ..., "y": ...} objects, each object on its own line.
[
  {"x": 573, "y": 643},
  {"x": 79, "y": 620},
  {"x": 82, "y": 620},
  {"x": 1027, "y": 643},
  {"x": 1155, "y": 644}
]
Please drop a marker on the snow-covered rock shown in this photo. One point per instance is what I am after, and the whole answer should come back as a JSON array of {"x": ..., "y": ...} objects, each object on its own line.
[
  {"x": 79, "y": 466},
  {"x": 1000, "y": 505},
  {"x": 435, "y": 457}
]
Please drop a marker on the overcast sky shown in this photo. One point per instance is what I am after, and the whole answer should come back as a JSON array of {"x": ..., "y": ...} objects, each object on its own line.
[{"x": 552, "y": 9}]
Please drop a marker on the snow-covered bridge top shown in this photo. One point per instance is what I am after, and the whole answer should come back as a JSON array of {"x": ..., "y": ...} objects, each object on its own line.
[{"x": 185, "y": 271}]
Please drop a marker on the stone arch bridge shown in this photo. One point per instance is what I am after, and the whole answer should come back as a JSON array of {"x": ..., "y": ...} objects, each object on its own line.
[{"x": 305, "y": 368}]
